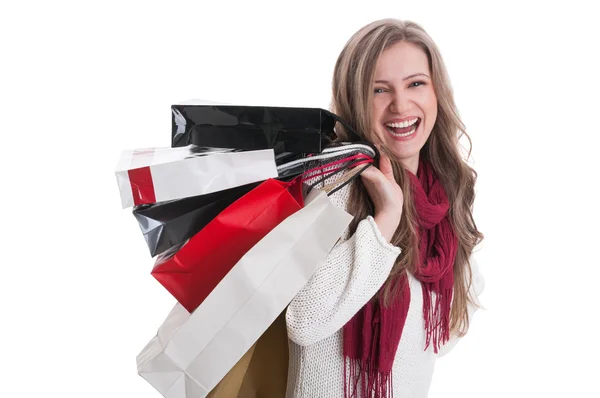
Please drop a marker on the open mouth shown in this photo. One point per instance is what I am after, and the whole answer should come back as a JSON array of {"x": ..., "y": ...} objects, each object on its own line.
[{"x": 405, "y": 129}]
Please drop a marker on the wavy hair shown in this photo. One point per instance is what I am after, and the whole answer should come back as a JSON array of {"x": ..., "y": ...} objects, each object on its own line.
[{"x": 352, "y": 100}]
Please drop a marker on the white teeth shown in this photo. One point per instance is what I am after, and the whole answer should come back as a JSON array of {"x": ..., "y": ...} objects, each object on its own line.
[
  {"x": 403, "y": 124},
  {"x": 402, "y": 135}
]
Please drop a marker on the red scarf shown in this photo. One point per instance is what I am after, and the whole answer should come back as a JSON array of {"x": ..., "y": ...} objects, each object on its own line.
[{"x": 372, "y": 336}]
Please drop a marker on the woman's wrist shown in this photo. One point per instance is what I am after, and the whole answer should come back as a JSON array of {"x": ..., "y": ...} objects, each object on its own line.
[{"x": 387, "y": 224}]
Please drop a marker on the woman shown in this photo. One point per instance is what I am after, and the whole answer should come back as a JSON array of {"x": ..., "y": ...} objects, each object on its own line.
[{"x": 399, "y": 288}]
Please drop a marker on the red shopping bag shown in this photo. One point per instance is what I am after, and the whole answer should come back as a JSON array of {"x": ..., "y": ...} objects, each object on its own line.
[{"x": 199, "y": 265}]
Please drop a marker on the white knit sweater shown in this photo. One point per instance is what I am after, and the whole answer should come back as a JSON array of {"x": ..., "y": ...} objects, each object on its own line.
[{"x": 351, "y": 274}]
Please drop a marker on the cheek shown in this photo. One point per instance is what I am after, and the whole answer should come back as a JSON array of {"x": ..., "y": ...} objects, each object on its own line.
[
  {"x": 378, "y": 108},
  {"x": 430, "y": 105}
]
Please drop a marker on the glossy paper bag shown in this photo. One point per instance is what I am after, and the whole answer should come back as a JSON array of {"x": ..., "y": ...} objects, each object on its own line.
[
  {"x": 169, "y": 224},
  {"x": 283, "y": 129},
  {"x": 153, "y": 175},
  {"x": 191, "y": 272},
  {"x": 192, "y": 352}
]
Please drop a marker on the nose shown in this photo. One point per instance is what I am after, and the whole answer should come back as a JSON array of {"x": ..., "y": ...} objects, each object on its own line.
[{"x": 400, "y": 103}]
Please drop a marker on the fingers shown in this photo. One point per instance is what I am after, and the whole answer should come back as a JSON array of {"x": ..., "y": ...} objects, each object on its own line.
[
  {"x": 370, "y": 173},
  {"x": 385, "y": 165}
]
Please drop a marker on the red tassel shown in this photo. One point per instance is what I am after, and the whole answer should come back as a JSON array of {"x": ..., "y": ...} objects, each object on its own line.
[{"x": 437, "y": 317}]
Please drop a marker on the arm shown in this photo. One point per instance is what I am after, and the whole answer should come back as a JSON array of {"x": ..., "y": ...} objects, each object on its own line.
[
  {"x": 350, "y": 276},
  {"x": 355, "y": 269}
]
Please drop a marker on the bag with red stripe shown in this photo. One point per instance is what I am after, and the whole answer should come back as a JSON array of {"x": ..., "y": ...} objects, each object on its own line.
[{"x": 152, "y": 175}]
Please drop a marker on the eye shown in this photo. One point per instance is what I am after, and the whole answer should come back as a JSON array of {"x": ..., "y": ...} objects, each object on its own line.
[
  {"x": 379, "y": 90},
  {"x": 417, "y": 84}
]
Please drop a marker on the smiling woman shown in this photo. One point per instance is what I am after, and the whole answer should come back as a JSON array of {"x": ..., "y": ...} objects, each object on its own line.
[
  {"x": 401, "y": 286},
  {"x": 404, "y": 103}
]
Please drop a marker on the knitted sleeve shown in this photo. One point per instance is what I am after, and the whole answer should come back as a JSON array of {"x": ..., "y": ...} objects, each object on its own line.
[
  {"x": 351, "y": 274},
  {"x": 477, "y": 286}
]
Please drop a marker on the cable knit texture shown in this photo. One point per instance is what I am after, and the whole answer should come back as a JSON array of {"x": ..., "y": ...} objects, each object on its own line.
[{"x": 351, "y": 274}]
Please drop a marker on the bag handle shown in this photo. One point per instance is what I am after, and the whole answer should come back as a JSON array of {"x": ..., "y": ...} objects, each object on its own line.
[
  {"x": 342, "y": 122},
  {"x": 347, "y": 179},
  {"x": 347, "y": 164},
  {"x": 342, "y": 165},
  {"x": 330, "y": 152},
  {"x": 343, "y": 161}
]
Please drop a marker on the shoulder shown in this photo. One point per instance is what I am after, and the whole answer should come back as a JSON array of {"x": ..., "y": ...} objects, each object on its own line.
[{"x": 341, "y": 197}]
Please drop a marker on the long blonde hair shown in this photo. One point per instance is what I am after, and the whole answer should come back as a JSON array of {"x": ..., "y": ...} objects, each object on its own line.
[{"x": 352, "y": 101}]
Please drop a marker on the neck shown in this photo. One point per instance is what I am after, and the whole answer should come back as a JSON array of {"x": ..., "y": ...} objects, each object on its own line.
[{"x": 412, "y": 164}]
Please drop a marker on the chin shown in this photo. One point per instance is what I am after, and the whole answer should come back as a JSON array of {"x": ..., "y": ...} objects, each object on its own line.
[
  {"x": 404, "y": 156},
  {"x": 403, "y": 150}
]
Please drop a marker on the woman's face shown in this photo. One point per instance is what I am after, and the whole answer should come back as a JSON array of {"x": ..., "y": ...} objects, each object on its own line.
[{"x": 404, "y": 102}]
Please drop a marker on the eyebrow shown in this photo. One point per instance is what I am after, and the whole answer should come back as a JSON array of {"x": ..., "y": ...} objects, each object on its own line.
[{"x": 406, "y": 78}]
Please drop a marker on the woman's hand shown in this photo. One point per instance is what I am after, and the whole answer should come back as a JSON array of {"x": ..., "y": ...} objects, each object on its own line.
[{"x": 386, "y": 194}]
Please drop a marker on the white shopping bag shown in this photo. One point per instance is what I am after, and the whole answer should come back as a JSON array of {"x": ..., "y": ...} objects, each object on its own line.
[
  {"x": 150, "y": 175},
  {"x": 191, "y": 353}
]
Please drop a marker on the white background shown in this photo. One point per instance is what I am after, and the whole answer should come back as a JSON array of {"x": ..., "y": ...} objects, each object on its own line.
[{"x": 81, "y": 81}]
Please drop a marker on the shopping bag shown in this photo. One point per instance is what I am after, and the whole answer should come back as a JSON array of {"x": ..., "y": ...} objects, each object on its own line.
[
  {"x": 191, "y": 271},
  {"x": 262, "y": 371},
  {"x": 160, "y": 174},
  {"x": 192, "y": 352},
  {"x": 171, "y": 223},
  {"x": 283, "y": 129}
]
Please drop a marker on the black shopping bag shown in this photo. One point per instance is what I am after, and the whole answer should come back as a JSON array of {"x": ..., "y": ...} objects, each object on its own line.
[
  {"x": 284, "y": 129},
  {"x": 171, "y": 223}
]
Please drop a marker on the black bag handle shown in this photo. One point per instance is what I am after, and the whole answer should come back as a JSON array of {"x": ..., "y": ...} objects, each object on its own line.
[
  {"x": 349, "y": 180},
  {"x": 343, "y": 123}
]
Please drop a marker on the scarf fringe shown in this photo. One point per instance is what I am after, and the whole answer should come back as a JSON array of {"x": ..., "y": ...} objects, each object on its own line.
[
  {"x": 372, "y": 336},
  {"x": 372, "y": 384},
  {"x": 437, "y": 317}
]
